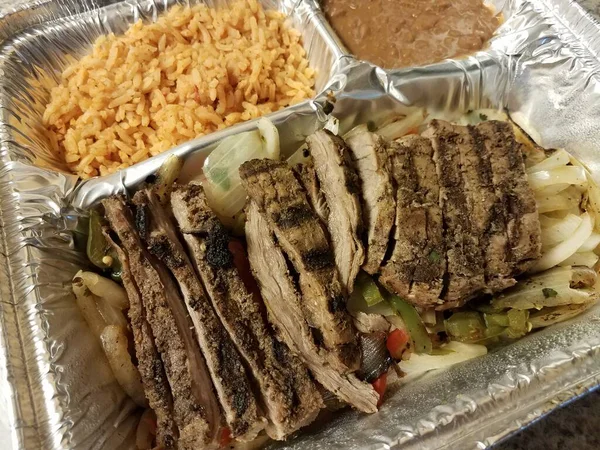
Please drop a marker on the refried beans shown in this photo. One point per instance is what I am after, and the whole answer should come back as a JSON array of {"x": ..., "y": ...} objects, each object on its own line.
[{"x": 400, "y": 33}]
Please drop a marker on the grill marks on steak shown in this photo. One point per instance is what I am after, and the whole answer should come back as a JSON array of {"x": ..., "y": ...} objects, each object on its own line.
[
  {"x": 465, "y": 264},
  {"x": 229, "y": 378},
  {"x": 340, "y": 186},
  {"x": 289, "y": 396},
  {"x": 416, "y": 267},
  {"x": 510, "y": 180},
  {"x": 370, "y": 157},
  {"x": 488, "y": 213},
  {"x": 307, "y": 175},
  {"x": 195, "y": 409},
  {"x": 284, "y": 306},
  {"x": 152, "y": 372},
  {"x": 280, "y": 197}
]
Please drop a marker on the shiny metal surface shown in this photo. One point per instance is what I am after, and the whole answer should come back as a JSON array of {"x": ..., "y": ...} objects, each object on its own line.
[{"x": 542, "y": 66}]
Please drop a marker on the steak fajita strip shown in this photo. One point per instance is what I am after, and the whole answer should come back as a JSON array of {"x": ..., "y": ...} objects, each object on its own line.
[
  {"x": 152, "y": 372},
  {"x": 340, "y": 186},
  {"x": 229, "y": 377},
  {"x": 289, "y": 396},
  {"x": 280, "y": 197},
  {"x": 285, "y": 313},
  {"x": 195, "y": 408}
]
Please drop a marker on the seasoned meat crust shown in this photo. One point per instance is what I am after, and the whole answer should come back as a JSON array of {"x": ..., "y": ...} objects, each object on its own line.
[
  {"x": 231, "y": 383},
  {"x": 416, "y": 267},
  {"x": 512, "y": 187},
  {"x": 370, "y": 160},
  {"x": 280, "y": 197},
  {"x": 289, "y": 396},
  {"x": 465, "y": 263},
  {"x": 152, "y": 372},
  {"x": 284, "y": 306},
  {"x": 195, "y": 409},
  {"x": 340, "y": 186}
]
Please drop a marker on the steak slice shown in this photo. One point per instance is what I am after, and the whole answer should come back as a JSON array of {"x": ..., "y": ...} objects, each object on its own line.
[
  {"x": 152, "y": 372},
  {"x": 232, "y": 385},
  {"x": 307, "y": 175},
  {"x": 290, "y": 397},
  {"x": 369, "y": 157},
  {"x": 488, "y": 213},
  {"x": 279, "y": 196},
  {"x": 284, "y": 307},
  {"x": 511, "y": 185},
  {"x": 465, "y": 264},
  {"x": 340, "y": 186},
  {"x": 416, "y": 267},
  {"x": 195, "y": 409}
]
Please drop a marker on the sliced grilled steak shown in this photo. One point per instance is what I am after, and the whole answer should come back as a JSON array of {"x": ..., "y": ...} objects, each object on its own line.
[
  {"x": 416, "y": 267},
  {"x": 465, "y": 265},
  {"x": 229, "y": 377},
  {"x": 511, "y": 185},
  {"x": 289, "y": 396},
  {"x": 369, "y": 157},
  {"x": 341, "y": 188},
  {"x": 307, "y": 175},
  {"x": 272, "y": 185},
  {"x": 285, "y": 313},
  {"x": 488, "y": 215},
  {"x": 152, "y": 372},
  {"x": 195, "y": 408}
]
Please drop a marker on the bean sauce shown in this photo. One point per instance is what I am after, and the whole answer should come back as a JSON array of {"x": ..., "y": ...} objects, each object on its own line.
[{"x": 401, "y": 33}]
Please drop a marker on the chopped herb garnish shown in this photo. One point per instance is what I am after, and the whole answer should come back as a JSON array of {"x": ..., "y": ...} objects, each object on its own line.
[
  {"x": 434, "y": 256},
  {"x": 469, "y": 111},
  {"x": 549, "y": 292},
  {"x": 220, "y": 176},
  {"x": 483, "y": 116}
]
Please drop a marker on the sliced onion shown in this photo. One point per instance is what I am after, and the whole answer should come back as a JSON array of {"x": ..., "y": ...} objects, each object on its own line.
[
  {"x": 452, "y": 353},
  {"x": 588, "y": 259},
  {"x": 222, "y": 185},
  {"x": 550, "y": 190},
  {"x": 87, "y": 305},
  {"x": 110, "y": 314},
  {"x": 555, "y": 287},
  {"x": 399, "y": 128},
  {"x": 110, "y": 291},
  {"x": 550, "y": 316},
  {"x": 559, "y": 202},
  {"x": 116, "y": 347},
  {"x": 591, "y": 244},
  {"x": 560, "y": 231},
  {"x": 557, "y": 159},
  {"x": 270, "y": 137},
  {"x": 566, "y": 248},
  {"x": 572, "y": 175}
]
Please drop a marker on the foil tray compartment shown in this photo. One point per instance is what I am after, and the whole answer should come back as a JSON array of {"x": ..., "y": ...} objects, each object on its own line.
[{"x": 542, "y": 66}]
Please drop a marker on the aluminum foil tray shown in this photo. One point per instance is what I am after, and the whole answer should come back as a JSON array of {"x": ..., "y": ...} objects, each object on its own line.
[{"x": 56, "y": 389}]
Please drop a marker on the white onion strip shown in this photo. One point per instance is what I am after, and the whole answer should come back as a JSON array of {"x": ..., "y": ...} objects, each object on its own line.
[
  {"x": 588, "y": 259},
  {"x": 562, "y": 251},
  {"x": 560, "y": 231},
  {"x": 591, "y": 244},
  {"x": 557, "y": 159},
  {"x": 562, "y": 175}
]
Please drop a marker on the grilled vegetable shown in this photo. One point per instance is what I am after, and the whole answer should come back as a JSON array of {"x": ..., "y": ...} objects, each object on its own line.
[
  {"x": 368, "y": 289},
  {"x": 410, "y": 316}
]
